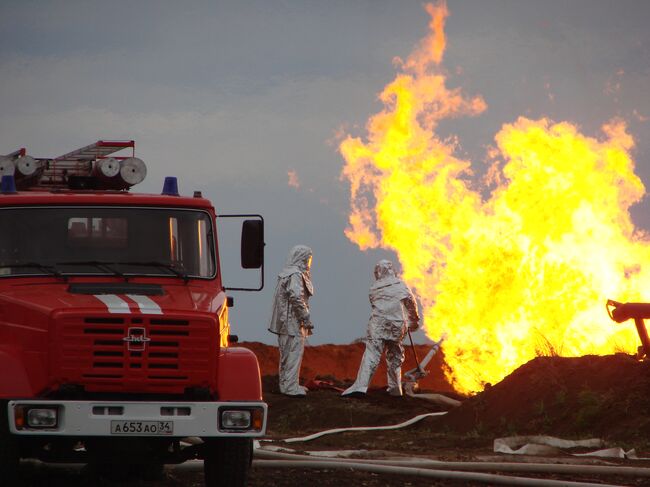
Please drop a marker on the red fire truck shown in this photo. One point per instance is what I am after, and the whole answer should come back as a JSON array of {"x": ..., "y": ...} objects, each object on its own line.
[{"x": 115, "y": 344}]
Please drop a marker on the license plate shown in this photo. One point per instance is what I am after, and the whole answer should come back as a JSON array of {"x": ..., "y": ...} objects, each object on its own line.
[{"x": 142, "y": 427}]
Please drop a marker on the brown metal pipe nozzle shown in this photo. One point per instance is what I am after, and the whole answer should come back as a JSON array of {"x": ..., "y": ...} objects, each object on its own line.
[{"x": 621, "y": 312}]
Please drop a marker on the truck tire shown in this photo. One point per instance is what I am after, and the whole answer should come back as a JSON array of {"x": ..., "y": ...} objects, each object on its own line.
[
  {"x": 226, "y": 462},
  {"x": 8, "y": 449}
]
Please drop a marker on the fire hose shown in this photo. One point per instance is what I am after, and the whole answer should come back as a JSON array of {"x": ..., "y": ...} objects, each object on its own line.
[{"x": 364, "y": 428}]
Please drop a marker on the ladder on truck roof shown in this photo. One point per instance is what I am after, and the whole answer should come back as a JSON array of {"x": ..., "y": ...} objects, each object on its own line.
[
  {"x": 88, "y": 167},
  {"x": 80, "y": 162},
  {"x": 98, "y": 150}
]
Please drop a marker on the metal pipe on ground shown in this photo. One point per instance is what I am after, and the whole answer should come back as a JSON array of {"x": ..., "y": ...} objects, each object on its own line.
[
  {"x": 475, "y": 466},
  {"x": 423, "y": 472}
]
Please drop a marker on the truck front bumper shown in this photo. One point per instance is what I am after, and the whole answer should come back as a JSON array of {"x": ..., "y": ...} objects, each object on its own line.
[{"x": 133, "y": 418}]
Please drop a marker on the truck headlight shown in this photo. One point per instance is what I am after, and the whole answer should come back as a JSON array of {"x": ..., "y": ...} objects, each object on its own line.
[
  {"x": 241, "y": 419},
  {"x": 36, "y": 417},
  {"x": 235, "y": 419}
]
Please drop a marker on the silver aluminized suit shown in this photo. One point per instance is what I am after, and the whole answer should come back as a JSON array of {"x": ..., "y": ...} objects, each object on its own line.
[
  {"x": 290, "y": 318},
  {"x": 393, "y": 309}
]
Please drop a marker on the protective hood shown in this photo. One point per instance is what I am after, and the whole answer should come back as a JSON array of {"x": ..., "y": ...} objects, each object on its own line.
[
  {"x": 384, "y": 274},
  {"x": 384, "y": 268},
  {"x": 299, "y": 262}
]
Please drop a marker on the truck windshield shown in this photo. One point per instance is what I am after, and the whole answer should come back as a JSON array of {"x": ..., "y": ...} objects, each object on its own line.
[{"x": 112, "y": 241}]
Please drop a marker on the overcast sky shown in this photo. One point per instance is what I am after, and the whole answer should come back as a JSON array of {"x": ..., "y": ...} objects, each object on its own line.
[{"x": 244, "y": 100}]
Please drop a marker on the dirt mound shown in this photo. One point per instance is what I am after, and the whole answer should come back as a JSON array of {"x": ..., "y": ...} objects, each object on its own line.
[
  {"x": 590, "y": 396},
  {"x": 341, "y": 362},
  {"x": 605, "y": 396},
  {"x": 601, "y": 396}
]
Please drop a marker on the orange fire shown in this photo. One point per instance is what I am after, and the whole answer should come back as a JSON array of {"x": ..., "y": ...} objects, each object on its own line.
[{"x": 514, "y": 266}]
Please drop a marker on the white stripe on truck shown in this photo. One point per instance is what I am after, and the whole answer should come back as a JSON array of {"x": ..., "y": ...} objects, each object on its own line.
[
  {"x": 114, "y": 303},
  {"x": 147, "y": 305}
]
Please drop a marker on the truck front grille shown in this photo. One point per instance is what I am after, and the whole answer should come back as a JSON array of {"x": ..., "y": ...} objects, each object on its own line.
[{"x": 136, "y": 353}]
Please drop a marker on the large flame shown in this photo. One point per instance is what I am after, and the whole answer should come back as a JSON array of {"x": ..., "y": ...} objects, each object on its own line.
[{"x": 519, "y": 264}]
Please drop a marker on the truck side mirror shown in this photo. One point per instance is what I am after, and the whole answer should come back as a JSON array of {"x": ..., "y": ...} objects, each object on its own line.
[{"x": 252, "y": 244}]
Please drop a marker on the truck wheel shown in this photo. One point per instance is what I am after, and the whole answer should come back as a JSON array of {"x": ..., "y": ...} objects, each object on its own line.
[
  {"x": 8, "y": 448},
  {"x": 226, "y": 462}
]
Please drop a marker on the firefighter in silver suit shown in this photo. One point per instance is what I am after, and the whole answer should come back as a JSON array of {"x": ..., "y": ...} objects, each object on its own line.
[
  {"x": 290, "y": 318},
  {"x": 393, "y": 310}
]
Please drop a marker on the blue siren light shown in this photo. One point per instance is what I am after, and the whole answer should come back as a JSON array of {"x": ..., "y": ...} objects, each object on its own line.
[
  {"x": 170, "y": 187},
  {"x": 8, "y": 184}
]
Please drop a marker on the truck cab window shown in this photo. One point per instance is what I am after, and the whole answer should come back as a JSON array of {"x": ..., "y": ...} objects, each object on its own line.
[{"x": 133, "y": 241}]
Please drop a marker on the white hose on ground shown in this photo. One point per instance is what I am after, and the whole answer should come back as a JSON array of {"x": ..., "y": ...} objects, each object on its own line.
[
  {"x": 473, "y": 466},
  {"x": 423, "y": 472},
  {"x": 364, "y": 428}
]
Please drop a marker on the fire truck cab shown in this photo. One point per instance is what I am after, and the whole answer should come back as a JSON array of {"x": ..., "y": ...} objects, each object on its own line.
[{"x": 115, "y": 343}]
